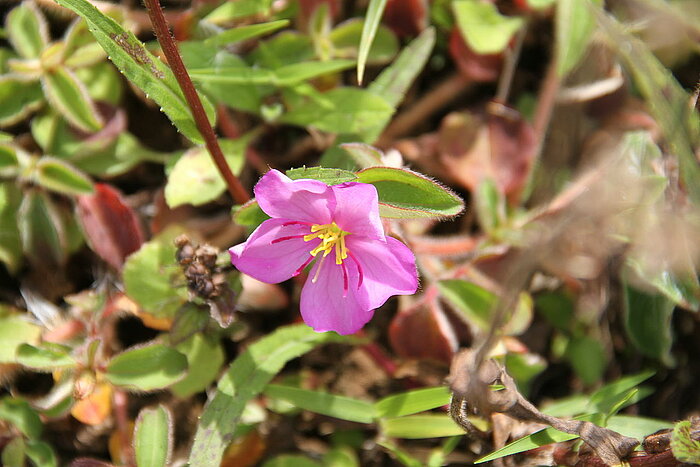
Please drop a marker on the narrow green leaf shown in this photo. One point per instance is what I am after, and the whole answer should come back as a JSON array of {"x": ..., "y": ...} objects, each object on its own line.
[
  {"x": 635, "y": 426},
  {"x": 205, "y": 358},
  {"x": 393, "y": 82},
  {"x": 648, "y": 323},
  {"x": 246, "y": 377},
  {"x": 242, "y": 33},
  {"x": 295, "y": 73},
  {"x": 574, "y": 24},
  {"x": 420, "y": 426},
  {"x": 47, "y": 357},
  {"x": 14, "y": 331},
  {"x": 27, "y": 30},
  {"x": 604, "y": 398},
  {"x": 21, "y": 415},
  {"x": 473, "y": 301},
  {"x": 375, "y": 10},
  {"x": 537, "y": 439},
  {"x": 153, "y": 437},
  {"x": 483, "y": 27},
  {"x": 147, "y": 368},
  {"x": 408, "y": 403},
  {"x": 69, "y": 97},
  {"x": 18, "y": 99},
  {"x": 490, "y": 205},
  {"x": 57, "y": 175},
  {"x": 342, "y": 407},
  {"x": 141, "y": 67},
  {"x": 406, "y": 194},
  {"x": 195, "y": 179},
  {"x": 10, "y": 242},
  {"x": 327, "y": 176}
]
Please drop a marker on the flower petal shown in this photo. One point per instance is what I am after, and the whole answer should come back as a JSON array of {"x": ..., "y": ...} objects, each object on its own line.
[
  {"x": 323, "y": 305},
  {"x": 387, "y": 268},
  {"x": 271, "y": 261},
  {"x": 300, "y": 200},
  {"x": 357, "y": 209}
]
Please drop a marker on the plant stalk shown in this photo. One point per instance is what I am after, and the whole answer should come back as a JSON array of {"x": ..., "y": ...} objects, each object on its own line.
[{"x": 167, "y": 43}]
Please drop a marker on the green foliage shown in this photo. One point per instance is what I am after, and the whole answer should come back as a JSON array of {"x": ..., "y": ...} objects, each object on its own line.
[
  {"x": 147, "y": 368},
  {"x": 153, "y": 437},
  {"x": 483, "y": 27},
  {"x": 684, "y": 447}
]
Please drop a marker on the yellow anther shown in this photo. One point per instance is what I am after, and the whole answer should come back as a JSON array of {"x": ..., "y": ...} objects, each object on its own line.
[{"x": 331, "y": 237}]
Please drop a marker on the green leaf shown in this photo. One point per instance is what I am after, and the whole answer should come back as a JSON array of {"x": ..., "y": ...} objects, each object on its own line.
[
  {"x": 291, "y": 460},
  {"x": 153, "y": 437},
  {"x": 147, "y": 368},
  {"x": 10, "y": 242},
  {"x": 13, "y": 454},
  {"x": 344, "y": 110},
  {"x": 246, "y": 378},
  {"x": 648, "y": 323},
  {"x": 604, "y": 398},
  {"x": 289, "y": 75},
  {"x": 395, "y": 80},
  {"x": 405, "y": 194},
  {"x": 635, "y": 426},
  {"x": 375, "y": 10},
  {"x": 141, "y": 67},
  {"x": 9, "y": 162},
  {"x": 41, "y": 453},
  {"x": 69, "y": 97},
  {"x": 327, "y": 176},
  {"x": 242, "y": 33},
  {"x": 205, "y": 358},
  {"x": 342, "y": 407},
  {"x": 535, "y": 440},
  {"x": 15, "y": 329},
  {"x": 408, "y": 403},
  {"x": 196, "y": 180},
  {"x": 233, "y": 10},
  {"x": 249, "y": 214},
  {"x": 574, "y": 24},
  {"x": 483, "y": 27},
  {"x": 27, "y": 30},
  {"x": 21, "y": 415},
  {"x": 57, "y": 175},
  {"x": 41, "y": 229},
  {"x": 47, "y": 357},
  {"x": 364, "y": 155},
  {"x": 490, "y": 205},
  {"x": 684, "y": 447},
  {"x": 419, "y": 426},
  {"x": 103, "y": 82},
  {"x": 346, "y": 37},
  {"x": 151, "y": 276},
  {"x": 587, "y": 357},
  {"x": 18, "y": 99}
]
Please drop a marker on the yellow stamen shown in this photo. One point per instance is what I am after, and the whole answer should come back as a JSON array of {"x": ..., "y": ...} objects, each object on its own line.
[{"x": 331, "y": 237}]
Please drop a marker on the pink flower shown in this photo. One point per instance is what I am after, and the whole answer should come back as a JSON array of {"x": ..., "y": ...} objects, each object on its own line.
[{"x": 356, "y": 268}]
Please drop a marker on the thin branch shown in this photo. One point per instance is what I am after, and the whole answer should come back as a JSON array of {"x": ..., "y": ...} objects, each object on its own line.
[{"x": 160, "y": 26}]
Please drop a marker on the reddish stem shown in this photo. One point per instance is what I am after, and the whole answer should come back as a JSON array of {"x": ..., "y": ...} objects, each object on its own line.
[{"x": 160, "y": 27}]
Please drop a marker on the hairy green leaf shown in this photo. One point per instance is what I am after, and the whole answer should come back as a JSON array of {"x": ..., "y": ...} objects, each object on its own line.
[
  {"x": 153, "y": 437},
  {"x": 147, "y": 368}
]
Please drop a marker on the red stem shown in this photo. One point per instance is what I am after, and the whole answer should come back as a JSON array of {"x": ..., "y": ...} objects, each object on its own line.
[{"x": 160, "y": 27}]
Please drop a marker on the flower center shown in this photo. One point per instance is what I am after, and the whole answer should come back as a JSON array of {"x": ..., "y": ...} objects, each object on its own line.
[{"x": 331, "y": 237}]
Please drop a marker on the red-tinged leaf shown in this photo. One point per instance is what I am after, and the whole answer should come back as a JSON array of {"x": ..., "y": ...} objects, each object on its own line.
[
  {"x": 87, "y": 462},
  {"x": 407, "y": 18},
  {"x": 499, "y": 147},
  {"x": 111, "y": 226},
  {"x": 423, "y": 332},
  {"x": 473, "y": 66}
]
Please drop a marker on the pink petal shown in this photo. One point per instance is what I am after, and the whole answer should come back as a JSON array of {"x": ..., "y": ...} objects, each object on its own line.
[
  {"x": 357, "y": 210},
  {"x": 270, "y": 255},
  {"x": 323, "y": 305},
  {"x": 300, "y": 200},
  {"x": 387, "y": 268}
]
